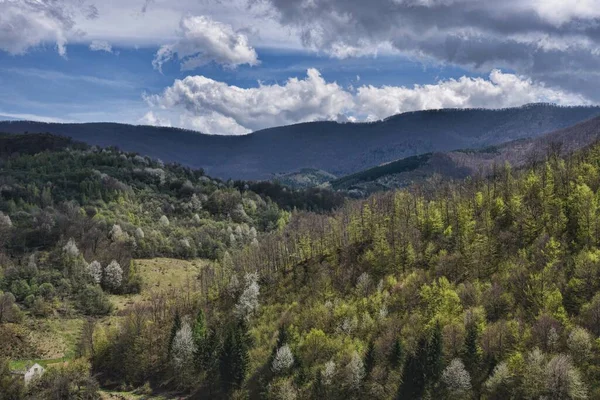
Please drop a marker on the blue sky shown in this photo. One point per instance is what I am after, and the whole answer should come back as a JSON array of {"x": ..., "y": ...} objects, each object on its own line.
[
  {"x": 90, "y": 85},
  {"x": 239, "y": 66}
]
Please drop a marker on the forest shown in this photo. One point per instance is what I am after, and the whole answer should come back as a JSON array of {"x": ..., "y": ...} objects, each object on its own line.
[{"x": 486, "y": 288}]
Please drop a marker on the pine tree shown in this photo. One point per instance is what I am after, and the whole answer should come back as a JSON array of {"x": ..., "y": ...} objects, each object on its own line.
[
  {"x": 413, "y": 379},
  {"x": 396, "y": 354},
  {"x": 227, "y": 361},
  {"x": 200, "y": 335},
  {"x": 234, "y": 360},
  {"x": 434, "y": 366},
  {"x": 471, "y": 349},
  {"x": 369, "y": 358},
  {"x": 282, "y": 339},
  {"x": 318, "y": 389}
]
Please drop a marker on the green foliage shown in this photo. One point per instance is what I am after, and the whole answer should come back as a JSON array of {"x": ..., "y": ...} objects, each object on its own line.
[
  {"x": 414, "y": 378},
  {"x": 93, "y": 301},
  {"x": 486, "y": 288},
  {"x": 234, "y": 359},
  {"x": 10, "y": 388},
  {"x": 69, "y": 381}
]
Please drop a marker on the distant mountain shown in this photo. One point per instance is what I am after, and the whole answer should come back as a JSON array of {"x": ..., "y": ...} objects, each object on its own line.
[
  {"x": 337, "y": 148},
  {"x": 462, "y": 163}
]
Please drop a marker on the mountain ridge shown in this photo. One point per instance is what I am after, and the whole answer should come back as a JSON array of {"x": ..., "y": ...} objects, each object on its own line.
[
  {"x": 459, "y": 164},
  {"x": 337, "y": 148}
]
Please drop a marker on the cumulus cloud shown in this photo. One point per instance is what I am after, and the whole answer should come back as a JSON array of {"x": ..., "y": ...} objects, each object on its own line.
[
  {"x": 210, "y": 106},
  {"x": 101, "y": 45},
  {"x": 551, "y": 40},
  {"x": 500, "y": 90},
  {"x": 217, "y": 104},
  {"x": 150, "y": 118},
  {"x": 202, "y": 40},
  {"x": 25, "y": 24}
]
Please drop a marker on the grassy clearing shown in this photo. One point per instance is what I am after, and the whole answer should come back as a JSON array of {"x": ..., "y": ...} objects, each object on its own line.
[
  {"x": 55, "y": 339},
  {"x": 161, "y": 274}
]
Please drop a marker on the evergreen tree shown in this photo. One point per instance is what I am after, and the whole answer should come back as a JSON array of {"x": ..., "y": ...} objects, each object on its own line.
[
  {"x": 319, "y": 391},
  {"x": 282, "y": 339},
  {"x": 369, "y": 358},
  {"x": 200, "y": 335},
  {"x": 234, "y": 359},
  {"x": 396, "y": 354},
  {"x": 434, "y": 362},
  {"x": 471, "y": 350},
  {"x": 413, "y": 379}
]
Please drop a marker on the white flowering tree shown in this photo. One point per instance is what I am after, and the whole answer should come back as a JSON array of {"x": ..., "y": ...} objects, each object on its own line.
[
  {"x": 182, "y": 353},
  {"x": 355, "y": 371},
  {"x": 248, "y": 302},
  {"x": 283, "y": 360},
  {"x": 499, "y": 382},
  {"x": 563, "y": 380},
  {"x": 456, "y": 378},
  {"x": 113, "y": 275},
  {"x": 328, "y": 373},
  {"x": 71, "y": 249},
  {"x": 139, "y": 233},
  {"x": 5, "y": 221},
  {"x": 164, "y": 221},
  {"x": 95, "y": 271},
  {"x": 116, "y": 233}
]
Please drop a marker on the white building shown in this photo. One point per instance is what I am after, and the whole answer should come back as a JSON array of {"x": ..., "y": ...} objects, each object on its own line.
[{"x": 35, "y": 371}]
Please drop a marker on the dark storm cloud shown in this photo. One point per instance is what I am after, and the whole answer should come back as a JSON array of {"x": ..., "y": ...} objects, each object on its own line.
[{"x": 549, "y": 40}]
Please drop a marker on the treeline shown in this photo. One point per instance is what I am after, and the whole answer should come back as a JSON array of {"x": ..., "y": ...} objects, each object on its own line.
[{"x": 310, "y": 199}]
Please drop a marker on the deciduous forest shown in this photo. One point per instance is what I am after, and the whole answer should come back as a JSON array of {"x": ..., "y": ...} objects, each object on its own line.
[{"x": 486, "y": 288}]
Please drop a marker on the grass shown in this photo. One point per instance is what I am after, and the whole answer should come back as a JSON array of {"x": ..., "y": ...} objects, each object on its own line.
[
  {"x": 161, "y": 274},
  {"x": 55, "y": 339}
]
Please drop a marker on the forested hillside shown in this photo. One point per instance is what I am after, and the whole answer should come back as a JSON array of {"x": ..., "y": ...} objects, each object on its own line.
[
  {"x": 487, "y": 288},
  {"x": 460, "y": 164},
  {"x": 336, "y": 148},
  {"x": 74, "y": 217}
]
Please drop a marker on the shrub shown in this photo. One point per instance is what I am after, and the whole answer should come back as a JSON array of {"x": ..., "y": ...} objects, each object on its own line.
[{"x": 93, "y": 301}]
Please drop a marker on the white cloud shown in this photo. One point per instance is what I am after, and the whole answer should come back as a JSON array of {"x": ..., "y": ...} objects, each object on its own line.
[
  {"x": 30, "y": 117},
  {"x": 25, "y": 24},
  {"x": 500, "y": 90},
  {"x": 218, "y": 104},
  {"x": 216, "y": 107},
  {"x": 150, "y": 118},
  {"x": 203, "y": 40},
  {"x": 101, "y": 45}
]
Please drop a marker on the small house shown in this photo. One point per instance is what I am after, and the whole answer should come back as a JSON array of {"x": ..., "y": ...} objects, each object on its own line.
[{"x": 33, "y": 372}]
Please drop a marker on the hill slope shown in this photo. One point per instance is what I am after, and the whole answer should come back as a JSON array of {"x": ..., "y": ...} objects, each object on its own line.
[
  {"x": 339, "y": 149},
  {"x": 462, "y": 163}
]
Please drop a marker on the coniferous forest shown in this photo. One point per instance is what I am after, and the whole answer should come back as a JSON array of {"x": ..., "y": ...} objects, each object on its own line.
[{"x": 487, "y": 288}]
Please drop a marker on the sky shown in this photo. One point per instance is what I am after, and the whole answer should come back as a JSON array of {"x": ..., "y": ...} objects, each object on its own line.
[{"x": 237, "y": 66}]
